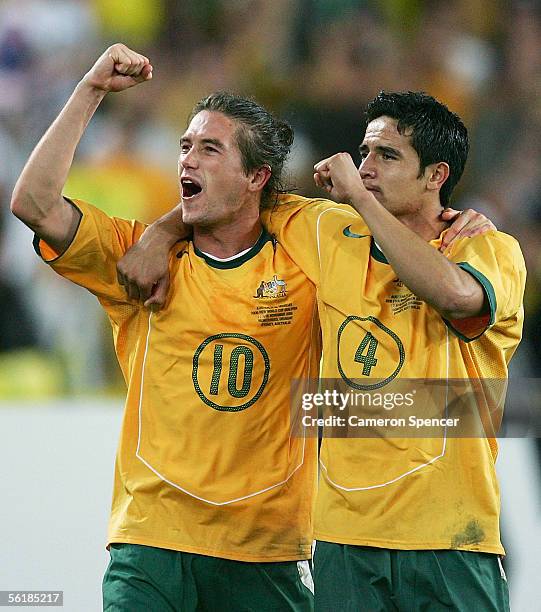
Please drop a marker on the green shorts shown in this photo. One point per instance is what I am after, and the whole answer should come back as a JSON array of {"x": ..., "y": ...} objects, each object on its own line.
[
  {"x": 148, "y": 579},
  {"x": 354, "y": 578}
]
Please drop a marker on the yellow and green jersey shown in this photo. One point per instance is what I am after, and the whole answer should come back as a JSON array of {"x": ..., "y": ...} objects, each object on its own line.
[
  {"x": 404, "y": 493},
  {"x": 206, "y": 461}
]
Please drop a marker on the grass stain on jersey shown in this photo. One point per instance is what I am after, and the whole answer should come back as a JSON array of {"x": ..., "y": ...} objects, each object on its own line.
[{"x": 472, "y": 534}]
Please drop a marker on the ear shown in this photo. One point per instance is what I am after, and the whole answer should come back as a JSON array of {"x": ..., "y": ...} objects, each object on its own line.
[
  {"x": 259, "y": 178},
  {"x": 436, "y": 175}
]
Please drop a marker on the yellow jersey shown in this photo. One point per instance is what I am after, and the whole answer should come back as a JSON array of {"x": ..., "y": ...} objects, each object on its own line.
[
  {"x": 206, "y": 461},
  {"x": 436, "y": 492}
]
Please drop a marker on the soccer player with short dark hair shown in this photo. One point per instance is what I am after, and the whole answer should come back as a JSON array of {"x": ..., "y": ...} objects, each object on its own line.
[{"x": 413, "y": 520}]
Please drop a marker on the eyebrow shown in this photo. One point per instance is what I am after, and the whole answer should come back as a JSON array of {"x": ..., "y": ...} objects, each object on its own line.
[
  {"x": 211, "y": 141},
  {"x": 381, "y": 149}
]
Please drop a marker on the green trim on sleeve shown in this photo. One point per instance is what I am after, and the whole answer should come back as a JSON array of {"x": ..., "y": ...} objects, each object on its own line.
[
  {"x": 489, "y": 292},
  {"x": 487, "y": 286},
  {"x": 36, "y": 239}
]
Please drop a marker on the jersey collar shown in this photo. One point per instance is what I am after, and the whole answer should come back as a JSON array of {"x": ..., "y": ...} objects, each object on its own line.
[{"x": 236, "y": 261}]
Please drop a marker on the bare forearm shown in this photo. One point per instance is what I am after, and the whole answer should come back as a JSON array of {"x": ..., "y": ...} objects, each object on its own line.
[
  {"x": 37, "y": 198},
  {"x": 454, "y": 293}
]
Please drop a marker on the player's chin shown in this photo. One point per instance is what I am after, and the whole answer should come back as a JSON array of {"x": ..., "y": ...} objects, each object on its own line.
[
  {"x": 190, "y": 217},
  {"x": 192, "y": 209}
]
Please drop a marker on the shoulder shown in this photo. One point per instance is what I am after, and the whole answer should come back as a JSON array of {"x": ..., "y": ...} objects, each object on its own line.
[
  {"x": 495, "y": 243},
  {"x": 291, "y": 201},
  {"x": 97, "y": 235},
  {"x": 291, "y": 207},
  {"x": 91, "y": 215}
]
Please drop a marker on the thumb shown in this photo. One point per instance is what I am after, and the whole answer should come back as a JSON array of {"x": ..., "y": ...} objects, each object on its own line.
[{"x": 159, "y": 295}]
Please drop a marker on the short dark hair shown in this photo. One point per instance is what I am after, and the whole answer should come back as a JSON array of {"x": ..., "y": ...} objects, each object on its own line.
[
  {"x": 262, "y": 138},
  {"x": 437, "y": 134}
]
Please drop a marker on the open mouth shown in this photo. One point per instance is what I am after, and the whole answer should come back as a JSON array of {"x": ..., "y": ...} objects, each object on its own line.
[{"x": 190, "y": 188}]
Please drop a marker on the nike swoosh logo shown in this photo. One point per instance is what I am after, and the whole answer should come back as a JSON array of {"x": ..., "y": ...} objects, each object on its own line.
[{"x": 349, "y": 234}]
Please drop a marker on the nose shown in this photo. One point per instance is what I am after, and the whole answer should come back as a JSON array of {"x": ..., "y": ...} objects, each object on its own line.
[
  {"x": 367, "y": 168},
  {"x": 188, "y": 159}
]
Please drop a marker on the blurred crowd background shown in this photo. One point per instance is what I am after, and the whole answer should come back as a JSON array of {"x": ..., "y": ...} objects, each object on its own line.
[{"x": 314, "y": 62}]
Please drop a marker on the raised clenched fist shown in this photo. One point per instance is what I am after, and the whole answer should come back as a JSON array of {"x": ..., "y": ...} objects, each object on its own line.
[
  {"x": 339, "y": 177},
  {"x": 117, "y": 69}
]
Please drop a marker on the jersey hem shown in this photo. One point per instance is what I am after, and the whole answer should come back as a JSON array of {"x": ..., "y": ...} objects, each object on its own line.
[
  {"x": 399, "y": 545},
  {"x": 209, "y": 552}
]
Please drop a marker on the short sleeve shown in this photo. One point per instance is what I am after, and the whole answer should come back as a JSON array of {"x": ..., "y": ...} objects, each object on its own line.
[
  {"x": 90, "y": 260},
  {"x": 496, "y": 261}
]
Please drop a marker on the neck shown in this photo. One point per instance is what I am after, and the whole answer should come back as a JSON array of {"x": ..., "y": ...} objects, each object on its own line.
[
  {"x": 227, "y": 241},
  {"x": 426, "y": 221}
]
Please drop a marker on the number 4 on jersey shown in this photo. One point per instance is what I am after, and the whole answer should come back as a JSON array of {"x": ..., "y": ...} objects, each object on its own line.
[{"x": 365, "y": 353}]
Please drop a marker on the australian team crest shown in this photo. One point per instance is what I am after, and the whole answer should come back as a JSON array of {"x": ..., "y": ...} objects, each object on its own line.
[{"x": 275, "y": 288}]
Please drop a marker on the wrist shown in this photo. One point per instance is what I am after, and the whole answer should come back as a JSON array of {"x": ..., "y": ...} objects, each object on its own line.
[
  {"x": 360, "y": 199},
  {"x": 182, "y": 231},
  {"x": 159, "y": 234},
  {"x": 92, "y": 92},
  {"x": 171, "y": 227}
]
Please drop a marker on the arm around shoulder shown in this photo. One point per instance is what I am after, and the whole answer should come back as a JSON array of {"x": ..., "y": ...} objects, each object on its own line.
[{"x": 144, "y": 269}]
